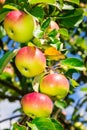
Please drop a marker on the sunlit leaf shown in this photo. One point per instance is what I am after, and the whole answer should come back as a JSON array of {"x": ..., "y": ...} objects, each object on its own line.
[
  {"x": 41, "y": 1},
  {"x": 6, "y": 58},
  {"x": 73, "y": 63},
  {"x": 53, "y": 54},
  {"x": 73, "y": 82},
  {"x": 84, "y": 88},
  {"x": 60, "y": 104},
  {"x": 45, "y": 124},
  {"x": 63, "y": 32}
]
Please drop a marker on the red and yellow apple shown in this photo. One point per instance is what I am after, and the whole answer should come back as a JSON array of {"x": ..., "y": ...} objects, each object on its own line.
[
  {"x": 54, "y": 85},
  {"x": 30, "y": 61},
  {"x": 37, "y": 104},
  {"x": 19, "y": 26},
  {"x": 2, "y": 1}
]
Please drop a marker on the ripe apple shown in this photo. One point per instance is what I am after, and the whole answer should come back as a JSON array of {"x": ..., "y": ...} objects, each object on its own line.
[
  {"x": 37, "y": 104},
  {"x": 19, "y": 26},
  {"x": 54, "y": 85},
  {"x": 2, "y": 1},
  {"x": 30, "y": 61}
]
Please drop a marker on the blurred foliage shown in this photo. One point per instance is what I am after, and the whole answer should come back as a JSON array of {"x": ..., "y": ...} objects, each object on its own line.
[{"x": 69, "y": 56}]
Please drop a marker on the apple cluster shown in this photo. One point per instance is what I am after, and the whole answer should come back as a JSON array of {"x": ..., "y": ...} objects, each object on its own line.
[{"x": 31, "y": 61}]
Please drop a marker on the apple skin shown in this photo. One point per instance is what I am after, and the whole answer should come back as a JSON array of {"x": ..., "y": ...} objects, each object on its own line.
[
  {"x": 37, "y": 105},
  {"x": 53, "y": 25},
  {"x": 30, "y": 61},
  {"x": 54, "y": 85},
  {"x": 19, "y": 26},
  {"x": 2, "y": 1}
]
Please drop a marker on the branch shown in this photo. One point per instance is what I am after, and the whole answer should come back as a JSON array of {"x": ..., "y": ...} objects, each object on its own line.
[
  {"x": 10, "y": 118},
  {"x": 10, "y": 98},
  {"x": 9, "y": 85}
]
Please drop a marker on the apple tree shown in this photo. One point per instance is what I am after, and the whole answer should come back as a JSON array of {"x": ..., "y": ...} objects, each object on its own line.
[{"x": 43, "y": 59}]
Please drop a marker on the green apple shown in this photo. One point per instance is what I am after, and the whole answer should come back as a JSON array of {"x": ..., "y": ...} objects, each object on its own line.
[
  {"x": 19, "y": 26},
  {"x": 37, "y": 104},
  {"x": 30, "y": 61},
  {"x": 42, "y": 1},
  {"x": 54, "y": 85}
]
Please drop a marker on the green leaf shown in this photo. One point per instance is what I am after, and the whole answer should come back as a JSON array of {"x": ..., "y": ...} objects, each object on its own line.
[
  {"x": 60, "y": 104},
  {"x": 6, "y": 58},
  {"x": 71, "y": 18},
  {"x": 63, "y": 32},
  {"x": 74, "y": 1},
  {"x": 72, "y": 63},
  {"x": 2, "y": 32},
  {"x": 10, "y": 6},
  {"x": 73, "y": 82},
  {"x": 84, "y": 88},
  {"x": 43, "y": 123},
  {"x": 37, "y": 12},
  {"x": 57, "y": 124},
  {"x": 45, "y": 24},
  {"x": 17, "y": 126},
  {"x": 42, "y": 1},
  {"x": 3, "y": 13}
]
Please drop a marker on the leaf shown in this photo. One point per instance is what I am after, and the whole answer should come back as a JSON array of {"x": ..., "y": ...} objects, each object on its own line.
[
  {"x": 2, "y": 32},
  {"x": 53, "y": 54},
  {"x": 10, "y": 6},
  {"x": 6, "y": 58},
  {"x": 45, "y": 24},
  {"x": 17, "y": 126},
  {"x": 37, "y": 12},
  {"x": 84, "y": 88},
  {"x": 42, "y": 1},
  {"x": 63, "y": 32},
  {"x": 67, "y": 7},
  {"x": 71, "y": 18},
  {"x": 73, "y": 82},
  {"x": 3, "y": 13},
  {"x": 72, "y": 63},
  {"x": 43, "y": 123},
  {"x": 60, "y": 104},
  {"x": 74, "y": 1}
]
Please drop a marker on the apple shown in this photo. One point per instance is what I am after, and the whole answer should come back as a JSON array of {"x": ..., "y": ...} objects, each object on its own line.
[
  {"x": 53, "y": 25},
  {"x": 37, "y": 105},
  {"x": 30, "y": 61},
  {"x": 54, "y": 85},
  {"x": 2, "y": 1},
  {"x": 42, "y": 1},
  {"x": 9, "y": 70},
  {"x": 19, "y": 26}
]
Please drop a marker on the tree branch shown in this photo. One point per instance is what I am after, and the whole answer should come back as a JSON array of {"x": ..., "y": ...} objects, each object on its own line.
[
  {"x": 9, "y": 85},
  {"x": 10, "y": 118}
]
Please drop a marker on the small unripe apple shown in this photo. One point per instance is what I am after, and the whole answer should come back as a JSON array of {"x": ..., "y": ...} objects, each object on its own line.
[
  {"x": 54, "y": 85},
  {"x": 2, "y": 1},
  {"x": 37, "y": 104},
  {"x": 53, "y": 25},
  {"x": 30, "y": 61},
  {"x": 19, "y": 26}
]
